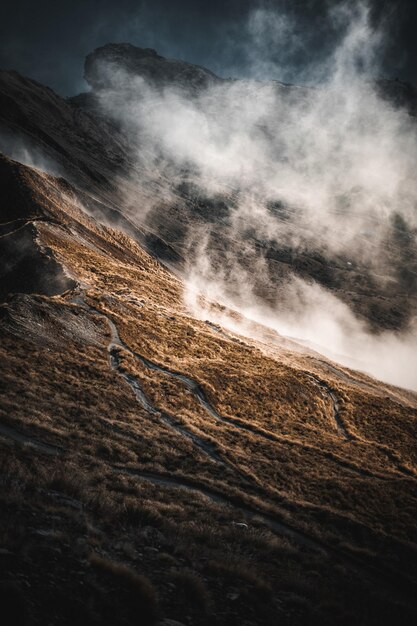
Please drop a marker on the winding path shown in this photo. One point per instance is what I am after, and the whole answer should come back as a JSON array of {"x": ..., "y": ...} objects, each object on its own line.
[
  {"x": 232, "y": 501},
  {"x": 384, "y": 579},
  {"x": 117, "y": 343},
  {"x": 391, "y": 455},
  {"x": 168, "y": 419},
  {"x": 251, "y": 513},
  {"x": 115, "y": 363},
  {"x": 340, "y": 425},
  {"x": 366, "y": 386}
]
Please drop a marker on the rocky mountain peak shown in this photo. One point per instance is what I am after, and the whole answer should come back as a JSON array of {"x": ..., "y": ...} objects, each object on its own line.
[{"x": 143, "y": 62}]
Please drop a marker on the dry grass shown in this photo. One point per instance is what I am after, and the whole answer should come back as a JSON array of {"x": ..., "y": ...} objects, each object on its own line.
[
  {"x": 276, "y": 452},
  {"x": 134, "y": 592}
]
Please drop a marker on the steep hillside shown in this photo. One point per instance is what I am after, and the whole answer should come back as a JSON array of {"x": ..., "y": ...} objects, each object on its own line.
[{"x": 157, "y": 466}]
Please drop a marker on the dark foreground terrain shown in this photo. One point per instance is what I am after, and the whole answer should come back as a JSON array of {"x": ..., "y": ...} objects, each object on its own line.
[{"x": 157, "y": 467}]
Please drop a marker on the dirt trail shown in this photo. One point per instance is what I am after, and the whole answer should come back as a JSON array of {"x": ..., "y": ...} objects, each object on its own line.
[
  {"x": 233, "y": 501},
  {"x": 251, "y": 513},
  {"x": 391, "y": 455},
  {"x": 168, "y": 419},
  {"x": 199, "y": 393},
  {"x": 340, "y": 426},
  {"x": 385, "y": 579},
  {"x": 197, "y": 390},
  {"x": 368, "y": 386},
  {"x": 115, "y": 363}
]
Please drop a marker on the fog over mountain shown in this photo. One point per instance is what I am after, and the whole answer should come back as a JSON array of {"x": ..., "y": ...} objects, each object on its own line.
[
  {"x": 325, "y": 171},
  {"x": 208, "y": 329}
]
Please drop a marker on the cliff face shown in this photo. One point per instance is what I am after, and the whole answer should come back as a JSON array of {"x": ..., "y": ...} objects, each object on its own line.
[
  {"x": 25, "y": 266},
  {"x": 34, "y": 117}
]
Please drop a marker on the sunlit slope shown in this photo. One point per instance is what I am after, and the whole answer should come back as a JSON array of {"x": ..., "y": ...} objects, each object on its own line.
[{"x": 140, "y": 416}]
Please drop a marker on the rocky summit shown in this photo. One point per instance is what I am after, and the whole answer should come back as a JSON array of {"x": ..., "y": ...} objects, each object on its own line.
[{"x": 146, "y": 63}]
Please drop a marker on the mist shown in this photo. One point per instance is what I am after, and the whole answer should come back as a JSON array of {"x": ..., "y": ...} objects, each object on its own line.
[
  {"x": 310, "y": 316},
  {"x": 21, "y": 149},
  {"x": 327, "y": 166}
]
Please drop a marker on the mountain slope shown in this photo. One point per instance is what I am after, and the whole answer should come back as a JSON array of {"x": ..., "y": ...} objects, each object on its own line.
[
  {"x": 157, "y": 465},
  {"x": 243, "y": 479},
  {"x": 375, "y": 275}
]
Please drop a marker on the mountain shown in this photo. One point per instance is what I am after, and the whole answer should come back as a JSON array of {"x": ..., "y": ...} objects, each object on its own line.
[
  {"x": 384, "y": 294},
  {"x": 146, "y": 63},
  {"x": 158, "y": 466},
  {"x": 80, "y": 140}
]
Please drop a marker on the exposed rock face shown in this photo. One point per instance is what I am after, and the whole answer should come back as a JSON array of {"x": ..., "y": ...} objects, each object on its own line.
[
  {"x": 25, "y": 265},
  {"x": 28, "y": 268},
  {"x": 143, "y": 62}
]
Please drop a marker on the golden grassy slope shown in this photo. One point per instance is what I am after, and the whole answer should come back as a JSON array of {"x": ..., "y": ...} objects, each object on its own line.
[{"x": 250, "y": 430}]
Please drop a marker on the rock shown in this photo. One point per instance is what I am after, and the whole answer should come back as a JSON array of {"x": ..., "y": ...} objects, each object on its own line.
[
  {"x": 7, "y": 559},
  {"x": 240, "y": 525},
  {"x": 43, "y": 533},
  {"x": 126, "y": 547},
  {"x": 153, "y": 536},
  {"x": 34, "y": 268},
  {"x": 145, "y": 63},
  {"x": 81, "y": 546}
]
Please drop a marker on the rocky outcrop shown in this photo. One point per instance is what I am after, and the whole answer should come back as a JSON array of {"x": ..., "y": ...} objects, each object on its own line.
[
  {"x": 25, "y": 265},
  {"x": 144, "y": 62}
]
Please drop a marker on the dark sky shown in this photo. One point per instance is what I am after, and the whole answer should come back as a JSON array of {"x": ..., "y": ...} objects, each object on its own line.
[{"x": 48, "y": 40}]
